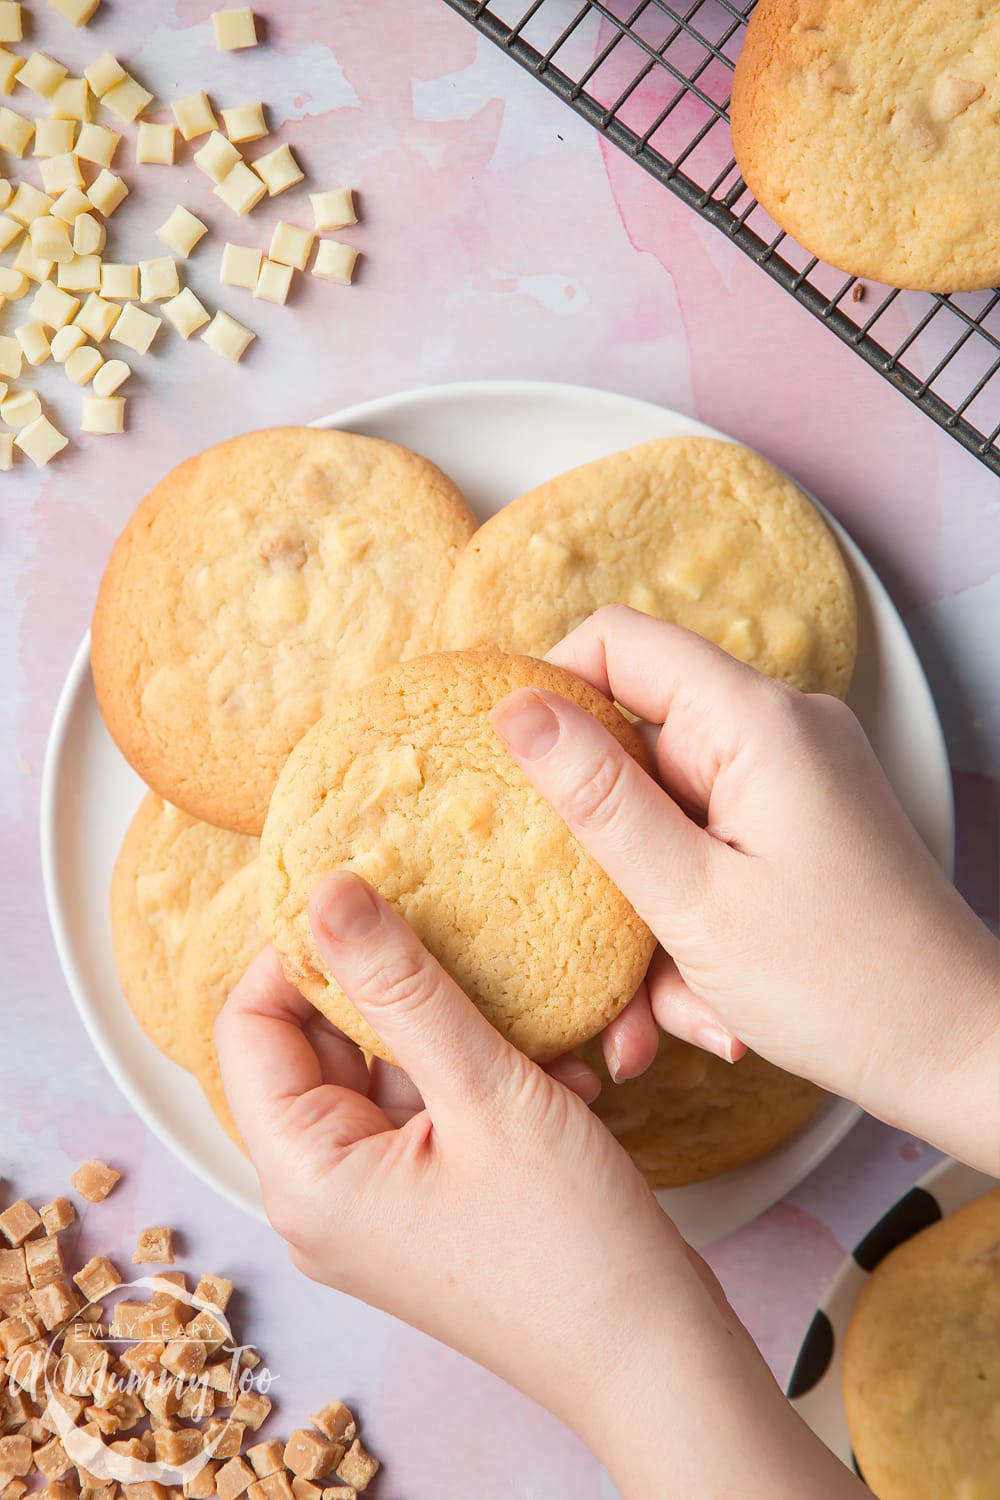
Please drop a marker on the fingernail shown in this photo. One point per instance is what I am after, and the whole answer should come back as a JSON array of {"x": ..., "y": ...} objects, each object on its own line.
[
  {"x": 614, "y": 1065},
  {"x": 714, "y": 1039},
  {"x": 346, "y": 908},
  {"x": 527, "y": 724}
]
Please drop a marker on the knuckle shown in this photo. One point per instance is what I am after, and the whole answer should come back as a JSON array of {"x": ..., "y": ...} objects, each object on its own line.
[
  {"x": 401, "y": 978},
  {"x": 596, "y": 803}
]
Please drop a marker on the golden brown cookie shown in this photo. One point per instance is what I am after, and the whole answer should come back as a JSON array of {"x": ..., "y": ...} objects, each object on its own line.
[
  {"x": 868, "y": 130},
  {"x": 222, "y": 942},
  {"x": 255, "y": 584},
  {"x": 692, "y": 1116},
  {"x": 408, "y": 785},
  {"x": 169, "y": 866},
  {"x": 921, "y": 1367},
  {"x": 694, "y": 530}
]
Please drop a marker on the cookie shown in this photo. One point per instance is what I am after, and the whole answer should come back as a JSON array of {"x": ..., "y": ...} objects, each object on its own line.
[
  {"x": 258, "y": 582},
  {"x": 921, "y": 1370},
  {"x": 692, "y": 1116},
  {"x": 867, "y": 130},
  {"x": 222, "y": 941},
  {"x": 694, "y": 530},
  {"x": 408, "y": 785},
  {"x": 169, "y": 866}
]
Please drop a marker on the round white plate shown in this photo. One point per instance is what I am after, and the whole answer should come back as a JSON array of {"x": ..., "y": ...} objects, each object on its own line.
[
  {"x": 496, "y": 439},
  {"x": 815, "y": 1382}
]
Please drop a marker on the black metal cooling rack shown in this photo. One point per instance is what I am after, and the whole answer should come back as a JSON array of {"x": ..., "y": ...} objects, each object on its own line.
[{"x": 655, "y": 79}]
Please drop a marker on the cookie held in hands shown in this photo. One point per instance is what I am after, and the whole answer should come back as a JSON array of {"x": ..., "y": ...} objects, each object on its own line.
[{"x": 408, "y": 785}]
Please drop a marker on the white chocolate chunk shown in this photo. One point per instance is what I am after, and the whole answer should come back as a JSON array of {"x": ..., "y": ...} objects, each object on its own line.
[
  {"x": 245, "y": 122},
  {"x": 11, "y": 357},
  {"x": 217, "y": 157},
  {"x": 34, "y": 342},
  {"x": 155, "y": 144},
  {"x": 136, "y": 329},
  {"x": 127, "y": 99},
  {"x": 61, "y": 172},
  {"x": 9, "y": 231},
  {"x": 76, "y": 12},
  {"x": 13, "y": 284},
  {"x": 112, "y": 374},
  {"x": 53, "y": 137},
  {"x": 6, "y": 192},
  {"x": 194, "y": 115},
  {"x": 50, "y": 239},
  {"x": 70, "y": 204},
  {"x": 11, "y": 64},
  {"x": 181, "y": 231},
  {"x": 71, "y": 100},
  {"x": 27, "y": 261},
  {"x": 279, "y": 170},
  {"x": 15, "y": 131},
  {"x": 10, "y": 21},
  {"x": 81, "y": 274},
  {"x": 97, "y": 318},
  {"x": 106, "y": 192},
  {"x": 104, "y": 414},
  {"x": 83, "y": 364},
  {"x": 274, "y": 282},
  {"x": 120, "y": 280},
  {"x": 240, "y": 266},
  {"x": 29, "y": 204},
  {"x": 104, "y": 73},
  {"x": 158, "y": 279},
  {"x": 335, "y": 262},
  {"x": 54, "y": 308},
  {"x": 97, "y": 143},
  {"x": 241, "y": 189},
  {"x": 234, "y": 29},
  {"x": 6, "y": 450},
  {"x": 41, "y": 441},
  {"x": 66, "y": 342},
  {"x": 334, "y": 209},
  {"x": 21, "y": 409},
  {"x": 89, "y": 234},
  {"x": 290, "y": 245},
  {"x": 185, "y": 312},
  {"x": 227, "y": 337},
  {"x": 42, "y": 74}
]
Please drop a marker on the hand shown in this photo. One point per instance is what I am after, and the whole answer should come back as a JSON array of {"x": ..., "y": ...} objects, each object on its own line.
[
  {"x": 501, "y": 1217},
  {"x": 797, "y": 908}
]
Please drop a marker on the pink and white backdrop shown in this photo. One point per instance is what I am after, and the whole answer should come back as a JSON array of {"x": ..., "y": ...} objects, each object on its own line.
[{"x": 501, "y": 238}]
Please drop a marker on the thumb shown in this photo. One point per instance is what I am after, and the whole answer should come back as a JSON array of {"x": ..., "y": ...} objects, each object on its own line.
[
  {"x": 652, "y": 851},
  {"x": 431, "y": 1027}
]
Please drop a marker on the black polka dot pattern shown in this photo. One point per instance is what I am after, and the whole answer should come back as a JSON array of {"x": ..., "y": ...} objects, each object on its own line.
[{"x": 917, "y": 1211}]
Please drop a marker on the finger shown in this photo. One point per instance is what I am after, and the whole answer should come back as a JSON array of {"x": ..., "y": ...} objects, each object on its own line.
[
  {"x": 677, "y": 1010},
  {"x": 576, "y": 1075},
  {"x": 341, "y": 1061},
  {"x": 391, "y": 1089},
  {"x": 652, "y": 851},
  {"x": 271, "y": 1074},
  {"x": 670, "y": 676},
  {"x": 630, "y": 1041},
  {"x": 433, "y": 1030}
]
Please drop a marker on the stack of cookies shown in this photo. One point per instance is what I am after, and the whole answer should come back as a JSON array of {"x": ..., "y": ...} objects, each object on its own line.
[{"x": 297, "y": 643}]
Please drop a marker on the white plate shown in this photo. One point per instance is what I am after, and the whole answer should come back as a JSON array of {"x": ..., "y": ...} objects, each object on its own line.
[
  {"x": 815, "y": 1382},
  {"x": 496, "y": 439}
]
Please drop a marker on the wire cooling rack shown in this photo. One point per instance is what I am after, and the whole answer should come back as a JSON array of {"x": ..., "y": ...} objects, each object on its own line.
[{"x": 655, "y": 79}]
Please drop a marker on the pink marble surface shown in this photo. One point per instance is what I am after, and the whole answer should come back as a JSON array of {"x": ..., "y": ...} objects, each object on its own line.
[{"x": 501, "y": 239}]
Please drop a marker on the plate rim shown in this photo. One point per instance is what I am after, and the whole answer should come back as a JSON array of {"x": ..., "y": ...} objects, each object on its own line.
[{"x": 74, "y": 682}]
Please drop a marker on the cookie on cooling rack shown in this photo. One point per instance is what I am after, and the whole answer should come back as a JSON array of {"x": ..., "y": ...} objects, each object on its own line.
[
  {"x": 407, "y": 784},
  {"x": 921, "y": 1368},
  {"x": 695, "y": 530},
  {"x": 691, "y": 1116},
  {"x": 868, "y": 130},
  {"x": 169, "y": 866},
  {"x": 254, "y": 585}
]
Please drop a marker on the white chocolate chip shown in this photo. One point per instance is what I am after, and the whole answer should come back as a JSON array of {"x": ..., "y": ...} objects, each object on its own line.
[
  {"x": 25, "y": 260},
  {"x": 29, "y": 204},
  {"x": 104, "y": 414},
  {"x": 11, "y": 357},
  {"x": 245, "y": 122},
  {"x": 50, "y": 239},
  {"x": 89, "y": 234},
  {"x": 34, "y": 342},
  {"x": 66, "y": 342},
  {"x": 9, "y": 231},
  {"x": 53, "y": 137},
  {"x": 70, "y": 204},
  {"x": 21, "y": 409},
  {"x": 97, "y": 143},
  {"x": 181, "y": 231},
  {"x": 42, "y": 74},
  {"x": 194, "y": 115},
  {"x": 227, "y": 337},
  {"x": 217, "y": 157},
  {"x": 155, "y": 144},
  {"x": 106, "y": 192},
  {"x": 97, "y": 318},
  {"x": 41, "y": 441},
  {"x": 240, "y": 266},
  {"x": 54, "y": 308},
  {"x": 15, "y": 130},
  {"x": 104, "y": 73},
  {"x": 274, "y": 282},
  {"x": 334, "y": 209},
  {"x": 234, "y": 29},
  {"x": 135, "y": 328},
  {"x": 334, "y": 262},
  {"x": 241, "y": 189},
  {"x": 119, "y": 280},
  {"x": 279, "y": 170},
  {"x": 13, "y": 283},
  {"x": 112, "y": 374},
  {"x": 71, "y": 100},
  {"x": 10, "y": 21},
  {"x": 185, "y": 312},
  {"x": 290, "y": 245},
  {"x": 81, "y": 274},
  {"x": 60, "y": 172},
  {"x": 10, "y": 65},
  {"x": 76, "y": 12},
  {"x": 158, "y": 279},
  {"x": 127, "y": 99},
  {"x": 83, "y": 364},
  {"x": 6, "y": 450}
]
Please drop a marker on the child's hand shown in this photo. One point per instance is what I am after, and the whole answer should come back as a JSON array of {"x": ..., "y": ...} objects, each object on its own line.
[
  {"x": 806, "y": 917},
  {"x": 503, "y": 1218}
]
